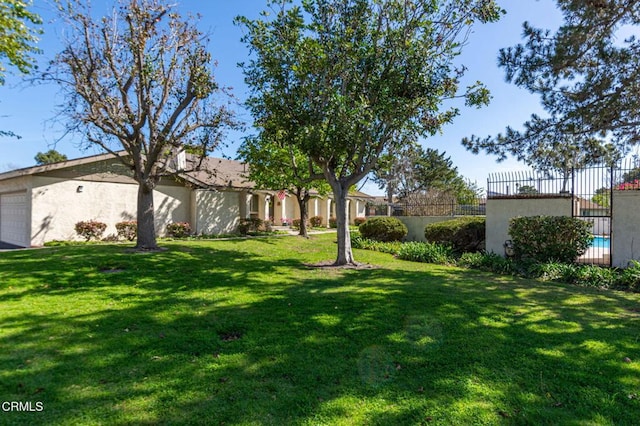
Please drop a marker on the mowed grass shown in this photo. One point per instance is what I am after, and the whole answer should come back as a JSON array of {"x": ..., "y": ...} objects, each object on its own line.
[{"x": 246, "y": 333}]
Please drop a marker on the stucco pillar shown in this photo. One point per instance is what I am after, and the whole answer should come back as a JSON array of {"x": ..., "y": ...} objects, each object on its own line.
[
  {"x": 349, "y": 215},
  {"x": 247, "y": 205},
  {"x": 267, "y": 200},
  {"x": 283, "y": 209},
  {"x": 328, "y": 211}
]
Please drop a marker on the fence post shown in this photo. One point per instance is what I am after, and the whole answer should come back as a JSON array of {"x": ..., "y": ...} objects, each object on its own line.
[
  {"x": 611, "y": 217},
  {"x": 573, "y": 192}
]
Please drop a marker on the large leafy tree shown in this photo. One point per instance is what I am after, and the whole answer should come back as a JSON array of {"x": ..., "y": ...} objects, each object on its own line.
[
  {"x": 19, "y": 30},
  {"x": 277, "y": 165},
  {"x": 141, "y": 80},
  {"x": 357, "y": 77},
  {"x": 587, "y": 75}
]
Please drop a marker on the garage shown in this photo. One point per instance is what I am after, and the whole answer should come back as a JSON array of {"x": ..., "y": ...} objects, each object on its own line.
[{"x": 14, "y": 219}]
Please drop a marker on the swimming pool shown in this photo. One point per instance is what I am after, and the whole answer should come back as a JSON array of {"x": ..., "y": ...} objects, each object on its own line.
[{"x": 600, "y": 241}]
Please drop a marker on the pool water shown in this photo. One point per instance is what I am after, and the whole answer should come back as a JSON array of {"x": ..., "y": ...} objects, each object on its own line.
[{"x": 601, "y": 242}]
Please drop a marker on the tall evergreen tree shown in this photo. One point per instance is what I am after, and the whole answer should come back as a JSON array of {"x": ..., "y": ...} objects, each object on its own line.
[
  {"x": 51, "y": 156},
  {"x": 412, "y": 168},
  {"x": 588, "y": 78}
]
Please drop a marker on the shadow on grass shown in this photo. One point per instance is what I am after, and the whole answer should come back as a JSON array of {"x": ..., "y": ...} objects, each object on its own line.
[{"x": 213, "y": 333}]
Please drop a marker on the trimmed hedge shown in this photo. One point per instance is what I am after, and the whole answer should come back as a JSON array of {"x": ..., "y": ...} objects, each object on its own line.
[
  {"x": 383, "y": 229},
  {"x": 463, "y": 234},
  {"x": 550, "y": 238},
  {"x": 316, "y": 221},
  {"x": 90, "y": 229},
  {"x": 178, "y": 229},
  {"x": 295, "y": 224},
  {"x": 249, "y": 225},
  {"x": 127, "y": 229}
]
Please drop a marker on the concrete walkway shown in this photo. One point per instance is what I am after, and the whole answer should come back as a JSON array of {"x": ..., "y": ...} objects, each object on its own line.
[{"x": 292, "y": 231}]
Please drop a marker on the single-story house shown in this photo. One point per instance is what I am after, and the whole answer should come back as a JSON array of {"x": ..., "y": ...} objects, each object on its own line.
[
  {"x": 588, "y": 208},
  {"x": 43, "y": 203}
]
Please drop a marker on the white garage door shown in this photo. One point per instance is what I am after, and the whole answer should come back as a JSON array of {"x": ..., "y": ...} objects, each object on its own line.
[{"x": 13, "y": 219}]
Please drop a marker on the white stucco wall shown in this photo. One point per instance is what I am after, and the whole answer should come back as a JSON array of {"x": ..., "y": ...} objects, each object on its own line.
[
  {"x": 217, "y": 212},
  {"x": 500, "y": 211},
  {"x": 291, "y": 210},
  {"x": 416, "y": 224},
  {"x": 625, "y": 235},
  {"x": 57, "y": 206}
]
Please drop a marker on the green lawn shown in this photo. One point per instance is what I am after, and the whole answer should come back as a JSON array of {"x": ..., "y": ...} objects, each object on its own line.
[{"x": 244, "y": 332}]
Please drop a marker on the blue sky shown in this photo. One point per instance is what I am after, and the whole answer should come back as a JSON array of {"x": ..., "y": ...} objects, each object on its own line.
[{"x": 30, "y": 110}]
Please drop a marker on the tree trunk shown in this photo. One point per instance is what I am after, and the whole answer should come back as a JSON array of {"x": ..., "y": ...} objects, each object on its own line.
[
  {"x": 345, "y": 254},
  {"x": 390, "y": 192},
  {"x": 304, "y": 213},
  {"x": 146, "y": 239}
]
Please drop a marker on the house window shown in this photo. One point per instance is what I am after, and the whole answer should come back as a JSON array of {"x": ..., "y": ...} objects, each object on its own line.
[{"x": 254, "y": 206}]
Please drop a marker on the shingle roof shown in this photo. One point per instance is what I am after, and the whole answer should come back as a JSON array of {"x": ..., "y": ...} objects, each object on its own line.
[
  {"x": 221, "y": 172},
  {"x": 212, "y": 173}
]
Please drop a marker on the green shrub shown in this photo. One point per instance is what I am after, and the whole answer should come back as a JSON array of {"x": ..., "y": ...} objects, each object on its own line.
[
  {"x": 60, "y": 243},
  {"x": 90, "y": 229},
  {"x": 252, "y": 225},
  {"x": 316, "y": 221},
  {"x": 359, "y": 221},
  {"x": 629, "y": 278},
  {"x": 127, "y": 229},
  {"x": 595, "y": 276},
  {"x": 548, "y": 271},
  {"x": 391, "y": 247},
  {"x": 426, "y": 253},
  {"x": 546, "y": 238},
  {"x": 464, "y": 234},
  {"x": 296, "y": 223},
  {"x": 267, "y": 226},
  {"x": 489, "y": 262},
  {"x": 333, "y": 222},
  {"x": 178, "y": 229},
  {"x": 471, "y": 260},
  {"x": 383, "y": 229}
]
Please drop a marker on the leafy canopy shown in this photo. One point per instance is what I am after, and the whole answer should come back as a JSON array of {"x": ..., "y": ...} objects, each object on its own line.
[
  {"x": 18, "y": 37},
  {"x": 353, "y": 78}
]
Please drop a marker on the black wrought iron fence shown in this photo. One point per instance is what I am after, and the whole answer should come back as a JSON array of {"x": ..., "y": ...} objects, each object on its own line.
[
  {"x": 476, "y": 207},
  {"x": 592, "y": 184},
  {"x": 590, "y": 192}
]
